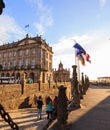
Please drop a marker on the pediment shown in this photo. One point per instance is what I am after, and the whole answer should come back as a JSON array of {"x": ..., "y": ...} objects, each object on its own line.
[{"x": 26, "y": 41}]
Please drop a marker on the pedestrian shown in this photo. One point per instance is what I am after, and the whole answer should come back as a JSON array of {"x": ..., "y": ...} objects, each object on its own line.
[
  {"x": 49, "y": 107},
  {"x": 39, "y": 107},
  {"x": 35, "y": 99},
  {"x": 55, "y": 102}
]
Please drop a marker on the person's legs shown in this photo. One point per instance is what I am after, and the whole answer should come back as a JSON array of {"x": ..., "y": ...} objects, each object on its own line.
[
  {"x": 40, "y": 113},
  {"x": 47, "y": 115},
  {"x": 51, "y": 114}
]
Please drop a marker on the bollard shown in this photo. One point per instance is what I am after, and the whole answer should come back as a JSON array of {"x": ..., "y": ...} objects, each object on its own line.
[
  {"x": 83, "y": 84},
  {"x": 62, "y": 113},
  {"x": 75, "y": 102}
]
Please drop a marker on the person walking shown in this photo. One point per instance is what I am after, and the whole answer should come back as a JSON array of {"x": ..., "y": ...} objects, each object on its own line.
[
  {"x": 55, "y": 102},
  {"x": 49, "y": 107},
  {"x": 39, "y": 107}
]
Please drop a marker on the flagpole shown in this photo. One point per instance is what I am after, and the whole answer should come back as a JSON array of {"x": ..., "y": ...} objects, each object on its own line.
[
  {"x": 75, "y": 53},
  {"x": 77, "y": 64},
  {"x": 82, "y": 56},
  {"x": 78, "y": 67},
  {"x": 78, "y": 71}
]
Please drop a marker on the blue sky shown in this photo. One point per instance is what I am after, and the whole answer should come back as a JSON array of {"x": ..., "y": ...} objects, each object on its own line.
[{"x": 60, "y": 22}]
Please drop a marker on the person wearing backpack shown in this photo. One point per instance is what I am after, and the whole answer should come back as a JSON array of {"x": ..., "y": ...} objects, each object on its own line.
[{"x": 49, "y": 107}]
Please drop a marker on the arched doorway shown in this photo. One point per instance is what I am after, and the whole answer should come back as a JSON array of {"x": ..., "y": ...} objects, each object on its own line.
[
  {"x": 2, "y": 75},
  {"x": 18, "y": 76},
  {"x": 13, "y": 74},
  {"x": 7, "y": 75},
  {"x": 32, "y": 76},
  {"x": 43, "y": 78}
]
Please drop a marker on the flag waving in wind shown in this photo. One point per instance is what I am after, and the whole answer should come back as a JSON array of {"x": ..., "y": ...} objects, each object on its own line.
[
  {"x": 81, "y": 54},
  {"x": 79, "y": 48},
  {"x": 26, "y": 26}
]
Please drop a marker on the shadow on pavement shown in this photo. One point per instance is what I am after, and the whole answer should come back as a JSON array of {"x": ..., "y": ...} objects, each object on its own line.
[{"x": 98, "y": 118}]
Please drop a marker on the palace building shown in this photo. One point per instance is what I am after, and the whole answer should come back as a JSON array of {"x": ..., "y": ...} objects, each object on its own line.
[
  {"x": 31, "y": 56},
  {"x": 61, "y": 75}
]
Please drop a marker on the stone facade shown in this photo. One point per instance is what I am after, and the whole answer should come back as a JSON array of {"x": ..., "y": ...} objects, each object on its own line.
[
  {"x": 11, "y": 96},
  {"x": 103, "y": 80},
  {"x": 61, "y": 75},
  {"x": 29, "y": 57}
]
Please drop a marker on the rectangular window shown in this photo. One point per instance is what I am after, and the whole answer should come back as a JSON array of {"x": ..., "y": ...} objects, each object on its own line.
[
  {"x": 14, "y": 53},
  {"x": 33, "y": 51},
  {"x": 33, "y": 61},
  {"x": 20, "y": 62},
  {"x": 26, "y": 62},
  {"x": 27, "y": 51},
  {"x": 5, "y": 54},
  {"x": 10, "y": 54},
  {"x": 20, "y": 53},
  {"x": 14, "y": 62}
]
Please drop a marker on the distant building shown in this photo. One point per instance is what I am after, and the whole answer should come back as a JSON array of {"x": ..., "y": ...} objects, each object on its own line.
[
  {"x": 105, "y": 80},
  {"x": 29, "y": 56},
  {"x": 61, "y": 75}
]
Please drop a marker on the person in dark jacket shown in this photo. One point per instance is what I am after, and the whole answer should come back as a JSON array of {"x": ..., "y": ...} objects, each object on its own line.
[{"x": 39, "y": 107}]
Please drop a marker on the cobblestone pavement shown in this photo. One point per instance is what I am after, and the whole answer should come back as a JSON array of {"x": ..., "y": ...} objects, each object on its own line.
[
  {"x": 95, "y": 111},
  {"x": 26, "y": 119},
  {"x": 94, "y": 114}
]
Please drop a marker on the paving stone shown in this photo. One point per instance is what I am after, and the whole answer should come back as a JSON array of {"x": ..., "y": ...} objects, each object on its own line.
[{"x": 94, "y": 114}]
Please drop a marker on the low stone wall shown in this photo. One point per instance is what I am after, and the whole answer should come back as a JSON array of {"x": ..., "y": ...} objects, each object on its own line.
[{"x": 16, "y": 96}]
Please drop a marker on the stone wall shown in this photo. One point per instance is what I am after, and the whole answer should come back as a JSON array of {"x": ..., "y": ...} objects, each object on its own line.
[{"x": 16, "y": 96}]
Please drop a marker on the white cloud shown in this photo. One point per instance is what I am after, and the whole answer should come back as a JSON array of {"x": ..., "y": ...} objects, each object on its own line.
[
  {"x": 97, "y": 45},
  {"x": 102, "y": 2},
  {"x": 40, "y": 28},
  {"x": 44, "y": 16},
  {"x": 9, "y": 30}
]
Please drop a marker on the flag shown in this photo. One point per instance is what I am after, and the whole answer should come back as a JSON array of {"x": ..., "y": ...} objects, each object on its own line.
[
  {"x": 81, "y": 54},
  {"x": 87, "y": 58},
  {"x": 79, "y": 48},
  {"x": 81, "y": 59},
  {"x": 26, "y": 26}
]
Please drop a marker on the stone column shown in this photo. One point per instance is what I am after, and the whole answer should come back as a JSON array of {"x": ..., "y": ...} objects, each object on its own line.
[
  {"x": 23, "y": 82},
  {"x": 62, "y": 113},
  {"x": 84, "y": 85},
  {"x": 75, "y": 103}
]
